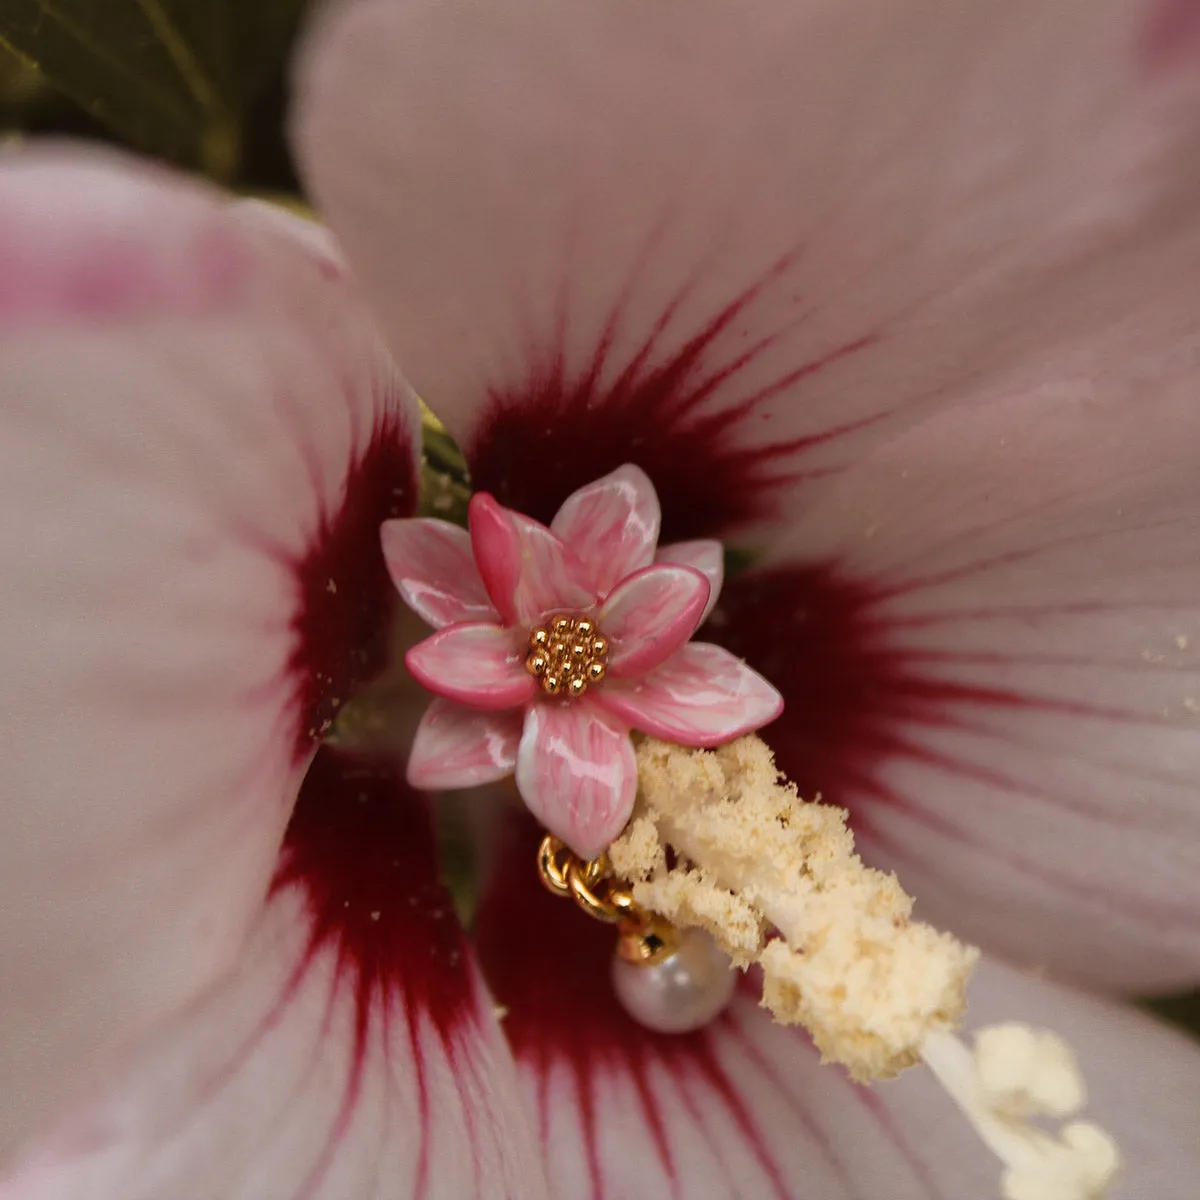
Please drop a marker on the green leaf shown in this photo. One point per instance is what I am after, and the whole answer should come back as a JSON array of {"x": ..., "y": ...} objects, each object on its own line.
[{"x": 173, "y": 77}]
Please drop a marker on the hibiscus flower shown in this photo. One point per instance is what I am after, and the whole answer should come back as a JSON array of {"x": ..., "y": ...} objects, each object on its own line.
[{"x": 900, "y": 296}]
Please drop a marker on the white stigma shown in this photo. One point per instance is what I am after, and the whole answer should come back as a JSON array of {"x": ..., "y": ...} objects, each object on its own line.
[{"x": 1014, "y": 1075}]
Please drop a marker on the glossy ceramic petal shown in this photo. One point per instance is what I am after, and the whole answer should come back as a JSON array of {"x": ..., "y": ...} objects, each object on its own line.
[
  {"x": 458, "y": 747},
  {"x": 649, "y": 615},
  {"x": 431, "y": 564},
  {"x": 702, "y": 696},
  {"x": 480, "y": 665},
  {"x": 576, "y": 773},
  {"x": 611, "y": 526}
]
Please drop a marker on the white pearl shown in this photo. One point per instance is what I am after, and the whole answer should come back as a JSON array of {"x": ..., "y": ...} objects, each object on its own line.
[{"x": 683, "y": 991}]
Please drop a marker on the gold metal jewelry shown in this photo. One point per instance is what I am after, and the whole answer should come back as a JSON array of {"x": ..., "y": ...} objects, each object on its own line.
[
  {"x": 567, "y": 655},
  {"x": 645, "y": 937}
]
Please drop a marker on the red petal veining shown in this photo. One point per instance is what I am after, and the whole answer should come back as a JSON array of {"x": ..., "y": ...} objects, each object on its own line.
[
  {"x": 361, "y": 848},
  {"x": 659, "y": 411},
  {"x": 345, "y": 596}
]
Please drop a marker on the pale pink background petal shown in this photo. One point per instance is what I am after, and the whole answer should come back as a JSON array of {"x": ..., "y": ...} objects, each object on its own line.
[
  {"x": 527, "y": 571},
  {"x": 649, "y": 615},
  {"x": 744, "y": 1110},
  {"x": 611, "y": 525},
  {"x": 351, "y": 1054},
  {"x": 196, "y": 425},
  {"x": 988, "y": 641},
  {"x": 457, "y": 747},
  {"x": 477, "y": 664},
  {"x": 739, "y": 250},
  {"x": 703, "y": 696},
  {"x": 703, "y": 555},
  {"x": 430, "y": 563},
  {"x": 576, "y": 773}
]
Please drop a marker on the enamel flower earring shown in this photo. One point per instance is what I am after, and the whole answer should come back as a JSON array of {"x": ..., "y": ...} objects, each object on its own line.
[{"x": 553, "y": 644}]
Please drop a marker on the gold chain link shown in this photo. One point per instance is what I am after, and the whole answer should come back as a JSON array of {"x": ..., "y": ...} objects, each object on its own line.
[{"x": 589, "y": 882}]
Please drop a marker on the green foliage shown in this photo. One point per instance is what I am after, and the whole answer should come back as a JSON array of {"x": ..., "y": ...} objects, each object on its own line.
[{"x": 175, "y": 78}]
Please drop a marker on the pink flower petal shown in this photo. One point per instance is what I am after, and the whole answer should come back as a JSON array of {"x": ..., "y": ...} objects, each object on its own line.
[
  {"x": 650, "y": 615},
  {"x": 739, "y": 315},
  {"x": 479, "y": 665},
  {"x": 430, "y": 563},
  {"x": 611, "y": 525},
  {"x": 577, "y": 774},
  {"x": 457, "y": 747},
  {"x": 703, "y": 696},
  {"x": 527, "y": 571},
  {"x": 744, "y": 1110},
  {"x": 352, "y": 1054},
  {"x": 703, "y": 555},
  {"x": 199, "y": 439},
  {"x": 988, "y": 638}
]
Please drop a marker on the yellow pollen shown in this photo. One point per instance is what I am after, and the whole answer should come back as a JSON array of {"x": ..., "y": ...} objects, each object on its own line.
[{"x": 567, "y": 655}]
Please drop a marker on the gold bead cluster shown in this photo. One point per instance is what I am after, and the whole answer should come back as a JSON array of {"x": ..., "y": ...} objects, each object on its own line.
[{"x": 566, "y": 655}]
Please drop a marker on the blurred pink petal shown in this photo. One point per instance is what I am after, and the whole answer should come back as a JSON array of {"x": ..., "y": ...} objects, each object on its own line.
[
  {"x": 198, "y": 441},
  {"x": 430, "y": 563},
  {"x": 352, "y": 1052},
  {"x": 611, "y": 525},
  {"x": 477, "y": 664},
  {"x": 577, "y": 774},
  {"x": 702, "y": 696},
  {"x": 458, "y": 747},
  {"x": 649, "y": 615}
]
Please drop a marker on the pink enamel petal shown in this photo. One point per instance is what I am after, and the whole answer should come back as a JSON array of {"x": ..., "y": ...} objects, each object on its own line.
[
  {"x": 479, "y": 665},
  {"x": 352, "y": 1053},
  {"x": 923, "y": 200},
  {"x": 988, "y": 643},
  {"x": 199, "y": 438},
  {"x": 457, "y": 747},
  {"x": 650, "y": 615},
  {"x": 430, "y": 563},
  {"x": 703, "y": 555},
  {"x": 526, "y": 569},
  {"x": 611, "y": 525},
  {"x": 576, "y": 773},
  {"x": 703, "y": 696},
  {"x": 745, "y": 1111}
]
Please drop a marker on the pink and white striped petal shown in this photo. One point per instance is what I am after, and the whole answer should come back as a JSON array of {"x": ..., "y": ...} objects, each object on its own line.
[
  {"x": 988, "y": 639},
  {"x": 480, "y": 665},
  {"x": 431, "y": 564},
  {"x": 741, "y": 250},
  {"x": 527, "y": 571},
  {"x": 199, "y": 438},
  {"x": 744, "y": 1110},
  {"x": 703, "y": 555},
  {"x": 352, "y": 1052},
  {"x": 611, "y": 525},
  {"x": 457, "y": 747},
  {"x": 576, "y": 773},
  {"x": 702, "y": 696},
  {"x": 650, "y": 615}
]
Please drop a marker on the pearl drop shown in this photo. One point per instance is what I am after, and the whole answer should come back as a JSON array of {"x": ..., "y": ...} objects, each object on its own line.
[{"x": 683, "y": 991}]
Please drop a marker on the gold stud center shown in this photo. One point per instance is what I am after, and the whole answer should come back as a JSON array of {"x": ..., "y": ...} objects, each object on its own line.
[{"x": 567, "y": 655}]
